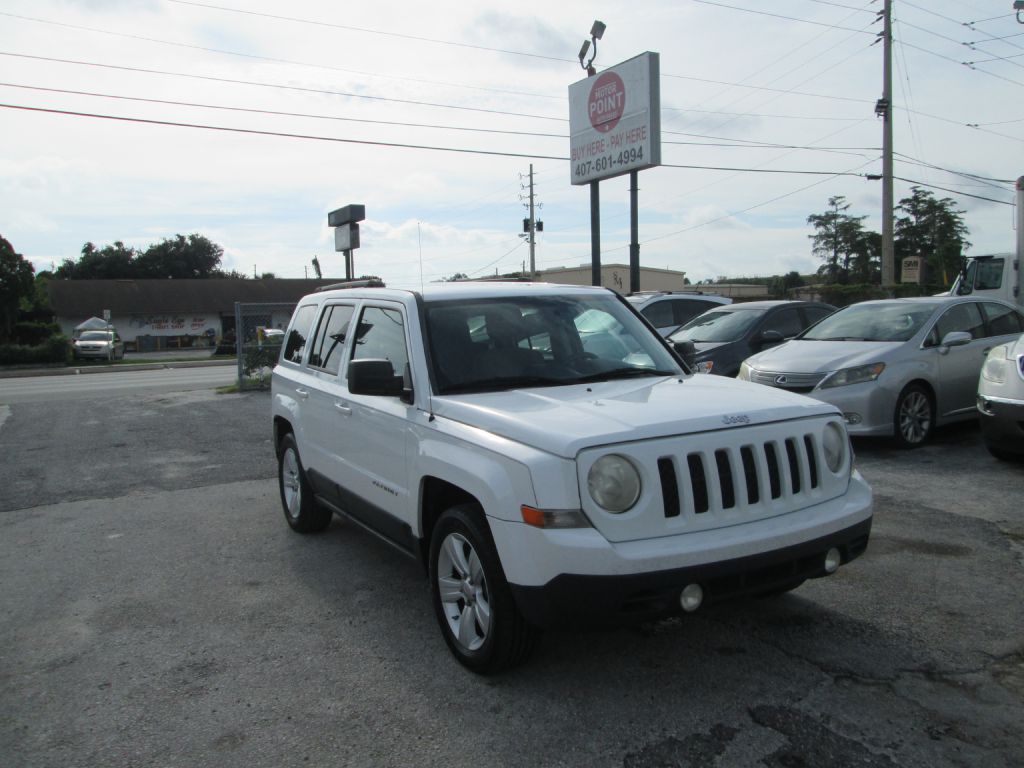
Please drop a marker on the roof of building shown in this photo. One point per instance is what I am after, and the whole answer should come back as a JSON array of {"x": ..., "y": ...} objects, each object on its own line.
[{"x": 82, "y": 298}]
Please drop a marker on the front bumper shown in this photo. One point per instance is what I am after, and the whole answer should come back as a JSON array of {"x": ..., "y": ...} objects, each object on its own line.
[
  {"x": 1002, "y": 423},
  {"x": 574, "y": 600}
]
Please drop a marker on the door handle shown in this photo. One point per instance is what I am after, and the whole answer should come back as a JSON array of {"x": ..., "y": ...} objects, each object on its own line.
[
  {"x": 303, "y": 393},
  {"x": 343, "y": 409}
]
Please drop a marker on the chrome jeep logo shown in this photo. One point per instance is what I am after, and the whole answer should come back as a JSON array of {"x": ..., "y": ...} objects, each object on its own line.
[{"x": 741, "y": 419}]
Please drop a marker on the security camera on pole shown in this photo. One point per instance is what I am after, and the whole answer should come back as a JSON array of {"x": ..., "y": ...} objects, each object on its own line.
[{"x": 614, "y": 129}]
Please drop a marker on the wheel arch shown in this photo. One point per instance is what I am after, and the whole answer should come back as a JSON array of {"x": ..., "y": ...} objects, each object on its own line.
[
  {"x": 436, "y": 496},
  {"x": 282, "y": 427}
]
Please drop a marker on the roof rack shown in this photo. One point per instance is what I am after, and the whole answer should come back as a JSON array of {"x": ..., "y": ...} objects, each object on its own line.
[{"x": 351, "y": 284}]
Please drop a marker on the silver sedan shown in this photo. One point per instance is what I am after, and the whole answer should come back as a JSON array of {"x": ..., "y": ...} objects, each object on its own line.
[{"x": 896, "y": 367}]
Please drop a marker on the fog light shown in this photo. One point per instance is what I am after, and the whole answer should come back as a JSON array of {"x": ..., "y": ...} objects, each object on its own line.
[
  {"x": 832, "y": 560},
  {"x": 852, "y": 418},
  {"x": 691, "y": 597}
]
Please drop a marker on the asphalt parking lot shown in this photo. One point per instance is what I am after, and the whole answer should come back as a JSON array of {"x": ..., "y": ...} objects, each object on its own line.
[{"x": 157, "y": 611}]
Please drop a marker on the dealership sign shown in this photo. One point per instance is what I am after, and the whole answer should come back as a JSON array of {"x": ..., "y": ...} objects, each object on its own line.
[{"x": 615, "y": 120}]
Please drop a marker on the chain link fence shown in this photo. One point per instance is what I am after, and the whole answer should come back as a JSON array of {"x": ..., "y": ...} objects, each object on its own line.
[{"x": 258, "y": 335}]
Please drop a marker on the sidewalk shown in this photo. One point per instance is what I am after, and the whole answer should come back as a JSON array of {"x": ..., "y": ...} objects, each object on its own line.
[{"x": 148, "y": 361}]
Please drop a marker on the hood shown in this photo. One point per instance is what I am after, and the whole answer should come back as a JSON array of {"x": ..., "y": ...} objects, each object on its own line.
[
  {"x": 565, "y": 420},
  {"x": 707, "y": 346},
  {"x": 799, "y": 356}
]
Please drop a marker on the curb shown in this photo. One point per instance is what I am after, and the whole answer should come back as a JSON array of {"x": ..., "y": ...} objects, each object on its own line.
[{"x": 72, "y": 370}]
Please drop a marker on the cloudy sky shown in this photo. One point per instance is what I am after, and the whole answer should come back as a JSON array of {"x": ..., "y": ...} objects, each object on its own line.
[{"x": 249, "y": 120}]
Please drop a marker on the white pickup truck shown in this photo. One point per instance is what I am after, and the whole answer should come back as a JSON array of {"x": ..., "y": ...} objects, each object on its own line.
[{"x": 551, "y": 461}]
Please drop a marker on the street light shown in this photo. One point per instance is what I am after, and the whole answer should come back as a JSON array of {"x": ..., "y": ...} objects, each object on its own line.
[
  {"x": 1018, "y": 6},
  {"x": 596, "y": 33}
]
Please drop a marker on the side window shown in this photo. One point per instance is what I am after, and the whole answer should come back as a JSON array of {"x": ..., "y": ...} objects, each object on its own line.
[
  {"x": 330, "y": 338},
  {"x": 814, "y": 314},
  {"x": 298, "y": 331},
  {"x": 1001, "y": 320},
  {"x": 962, "y": 317},
  {"x": 381, "y": 334},
  {"x": 785, "y": 321},
  {"x": 685, "y": 311},
  {"x": 990, "y": 275},
  {"x": 658, "y": 314}
]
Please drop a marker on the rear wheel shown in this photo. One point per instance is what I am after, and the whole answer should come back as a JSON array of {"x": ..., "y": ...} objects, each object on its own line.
[
  {"x": 473, "y": 603},
  {"x": 914, "y": 417},
  {"x": 300, "y": 508}
]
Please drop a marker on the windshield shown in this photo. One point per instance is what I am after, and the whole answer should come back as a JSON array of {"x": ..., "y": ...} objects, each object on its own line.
[
  {"x": 872, "y": 321},
  {"x": 95, "y": 336},
  {"x": 719, "y": 325},
  {"x": 538, "y": 341}
]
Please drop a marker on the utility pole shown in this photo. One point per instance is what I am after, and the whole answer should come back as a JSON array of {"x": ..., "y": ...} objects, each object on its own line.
[
  {"x": 884, "y": 109},
  {"x": 531, "y": 226}
]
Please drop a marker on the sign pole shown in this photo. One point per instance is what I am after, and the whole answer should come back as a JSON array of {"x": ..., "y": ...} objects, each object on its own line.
[
  {"x": 634, "y": 235},
  {"x": 595, "y": 233}
]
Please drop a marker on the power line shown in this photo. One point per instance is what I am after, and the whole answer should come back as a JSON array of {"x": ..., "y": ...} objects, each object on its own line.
[
  {"x": 280, "y": 134},
  {"x": 279, "y": 113},
  {"x": 954, "y": 191},
  {"x": 368, "y": 30},
  {"x": 398, "y": 145},
  {"x": 766, "y": 13},
  {"x": 300, "y": 89},
  {"x": 272, "y": 59}
]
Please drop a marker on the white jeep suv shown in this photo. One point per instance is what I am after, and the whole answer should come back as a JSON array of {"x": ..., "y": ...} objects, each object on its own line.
[{"x": 550, "y": 461}]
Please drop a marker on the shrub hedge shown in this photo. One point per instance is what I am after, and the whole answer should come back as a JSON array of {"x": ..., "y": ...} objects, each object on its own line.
[{"x": 53, "y": 350}]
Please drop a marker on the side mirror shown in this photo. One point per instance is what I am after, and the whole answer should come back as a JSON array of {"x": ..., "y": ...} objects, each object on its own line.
[
  {"x": 687, "y": 350},
  {"x": 956, "y": 339},
  {"x": 371, "y": 376},
  {"x": 770, "y": 337}
]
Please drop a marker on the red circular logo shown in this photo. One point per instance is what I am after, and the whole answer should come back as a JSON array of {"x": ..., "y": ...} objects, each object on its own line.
[{"x": 607, "y": 101}]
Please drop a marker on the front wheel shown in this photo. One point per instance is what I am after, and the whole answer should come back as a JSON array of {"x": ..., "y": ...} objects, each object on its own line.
[
  {"x": 301, "y": 511},
  {"x": 914, "y": 417},
  {"x": 474, "y": 606}
]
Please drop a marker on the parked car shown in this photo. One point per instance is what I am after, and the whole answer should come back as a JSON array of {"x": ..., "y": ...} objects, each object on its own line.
[
  {"x": 1001, "y": 400},
  {"x": 668, "y": 311},
  {"x": 726, "y": 336},
  {"x": 98, "y": 345},
  {"x": 896, "y": 367},
  {"x": 543, "y": 454}
]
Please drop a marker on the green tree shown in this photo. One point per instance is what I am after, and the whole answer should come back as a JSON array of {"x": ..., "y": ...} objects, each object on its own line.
[
  {"x": 181, "y": 258},
  {"x": 933, "y": 230},
  {"x": 111, "y": 262},
  {"x": 16, "y": 283},
  {"x": 835, "y": 239},
  {"x": 866, "y": 264}
]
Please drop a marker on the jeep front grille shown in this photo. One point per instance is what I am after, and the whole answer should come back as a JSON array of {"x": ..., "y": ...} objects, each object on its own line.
[{"x": 703, "y": 481}]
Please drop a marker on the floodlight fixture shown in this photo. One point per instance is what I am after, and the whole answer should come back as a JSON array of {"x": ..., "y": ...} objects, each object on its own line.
[
  {"x": 584, "y": 49},
  {"x": 597, "y": 31},
  {"x": 1018, "y": 6}
]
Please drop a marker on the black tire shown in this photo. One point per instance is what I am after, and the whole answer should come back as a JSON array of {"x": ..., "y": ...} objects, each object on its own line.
[
  {"x": 463, "y": 556},
  {"x": 1004, "y": 455},
  {"x": 913, "y": 419},
  {"x": 301, "y": 511}
]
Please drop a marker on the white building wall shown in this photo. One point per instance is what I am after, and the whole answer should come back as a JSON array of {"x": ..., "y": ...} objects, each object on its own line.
[{"x": 616, "y": 277}]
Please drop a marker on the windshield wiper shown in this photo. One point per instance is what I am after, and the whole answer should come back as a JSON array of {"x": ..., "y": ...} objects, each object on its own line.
[
  {"x": 498, "y": 383},
  {"x": 621, "y": 373}
]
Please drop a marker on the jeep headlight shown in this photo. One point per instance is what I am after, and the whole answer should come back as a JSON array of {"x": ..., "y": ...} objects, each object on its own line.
[
  {"x": 834, "y": 443},
  {"x": 994, "y": 369},
  {"x": 614, "y": 483},
  {"x": 856, "y": 375}
]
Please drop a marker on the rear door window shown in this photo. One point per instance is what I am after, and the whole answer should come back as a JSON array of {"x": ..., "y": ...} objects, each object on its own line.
[
  {"x": 298, "y": 332},
  {"x": 1002, "y": 320}
]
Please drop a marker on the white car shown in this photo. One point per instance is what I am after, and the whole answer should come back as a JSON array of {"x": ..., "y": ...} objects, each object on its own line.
[
  {"x": 548, "y": 459},
  {"x": 894, "y": 367},
  {"x": 1001, "y": 400},
  {"x": 668, "y": 311},
  {"x": 98, "y": 345}
]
